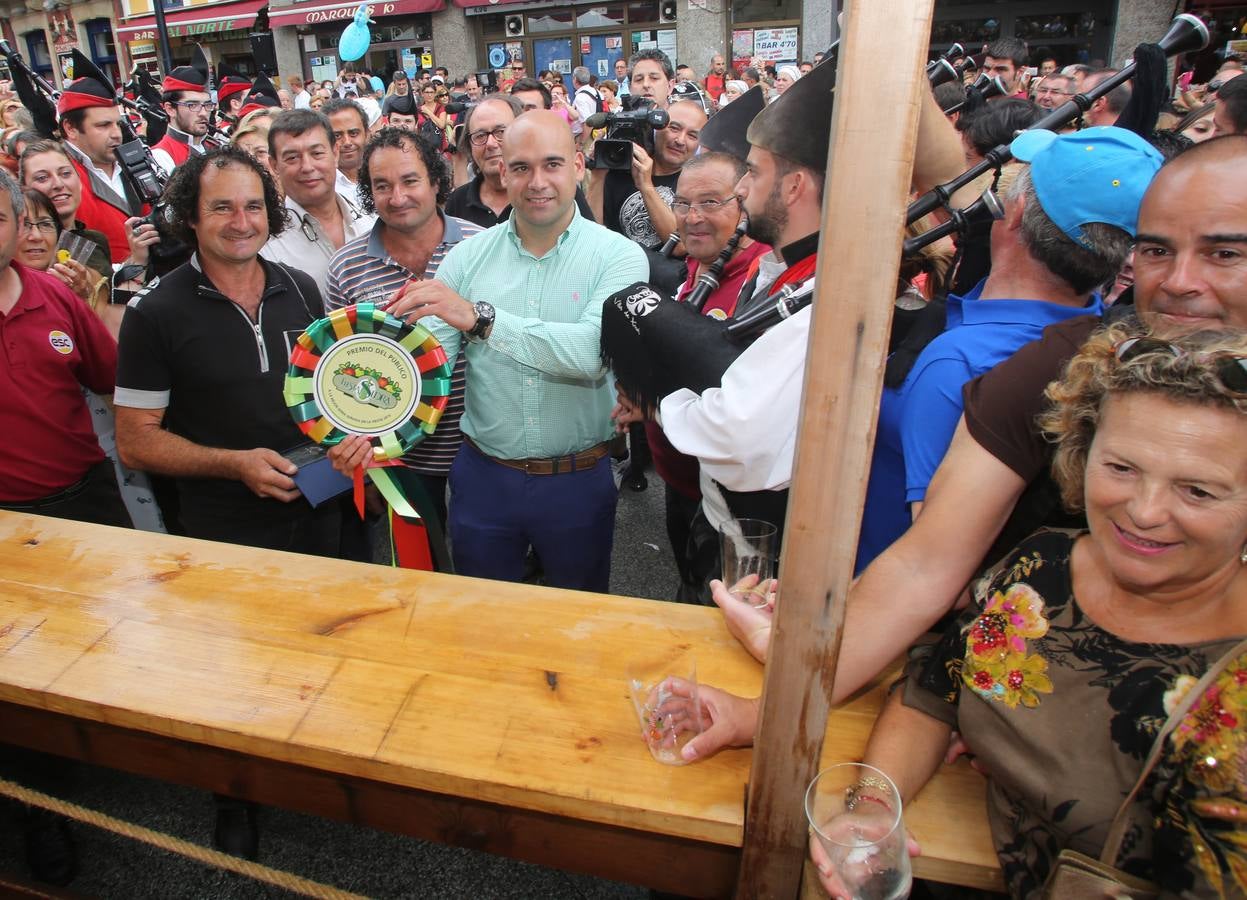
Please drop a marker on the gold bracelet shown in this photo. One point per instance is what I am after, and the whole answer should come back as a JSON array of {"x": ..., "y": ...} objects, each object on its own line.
[{"x": 854, "y": 794}]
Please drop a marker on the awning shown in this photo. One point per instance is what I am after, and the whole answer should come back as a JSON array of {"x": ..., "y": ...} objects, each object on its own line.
[
  {"x": 193, "y": 20},
  {"x": 468, "y": 4},
  {"x": 312, "y": 12}
]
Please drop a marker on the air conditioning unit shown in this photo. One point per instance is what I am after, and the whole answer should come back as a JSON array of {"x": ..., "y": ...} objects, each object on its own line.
[
  {"x": 666, "y": 11},
  {"x": 515, "y": 26}
]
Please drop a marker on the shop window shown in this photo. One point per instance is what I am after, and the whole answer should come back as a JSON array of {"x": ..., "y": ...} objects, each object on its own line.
[
  {"x": 1054, "y": 27},
  {"x": 765, "y": 10},
  {"x": 494, "y": 25},
  {"x": 551, "y": 20},
  {"x": 966, "y": 31},
  {"x": 643, "y": 11},
  {"x": 600, "y": 17}
]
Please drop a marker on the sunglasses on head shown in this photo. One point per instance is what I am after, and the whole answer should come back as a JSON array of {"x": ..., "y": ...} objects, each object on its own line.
[{"x": 1230, "y": 368}]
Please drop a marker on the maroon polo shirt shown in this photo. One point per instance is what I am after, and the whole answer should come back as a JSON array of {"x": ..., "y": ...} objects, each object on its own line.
[{"x": 51, "y": 345}]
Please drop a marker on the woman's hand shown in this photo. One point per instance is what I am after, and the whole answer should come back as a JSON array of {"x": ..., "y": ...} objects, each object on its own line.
[
  {"x": 78, "y": 277},
  {"x": 140, "y": 235},
  {"x": 726, "y": 720},
  {"x": 749, "y": 622},
  {"x": 827, "y": 875}
]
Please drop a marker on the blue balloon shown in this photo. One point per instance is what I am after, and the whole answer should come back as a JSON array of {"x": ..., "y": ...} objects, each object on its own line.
[{"x": 355, "y": 37}]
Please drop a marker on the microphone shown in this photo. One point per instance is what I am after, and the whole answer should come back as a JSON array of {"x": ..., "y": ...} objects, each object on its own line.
[{"x": 597, "y": 120}]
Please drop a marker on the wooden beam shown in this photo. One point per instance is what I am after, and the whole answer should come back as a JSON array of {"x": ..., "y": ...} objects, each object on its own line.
[{"x": 874, "y": 128}]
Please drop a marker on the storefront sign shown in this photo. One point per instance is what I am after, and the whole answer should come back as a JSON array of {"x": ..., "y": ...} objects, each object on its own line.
[
  {"x": 310, "y": 12},
  {"x": 775, "y": 44},
  {"x": 346, "y": 12},
  {"x": 197, "y": 28}
]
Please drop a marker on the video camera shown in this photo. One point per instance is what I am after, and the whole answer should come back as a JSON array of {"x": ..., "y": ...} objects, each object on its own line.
[{"x": 636, "y": 124}]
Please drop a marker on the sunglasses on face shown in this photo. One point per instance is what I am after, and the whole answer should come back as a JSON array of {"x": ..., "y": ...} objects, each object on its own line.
[{"x": 1230, "y": 369}]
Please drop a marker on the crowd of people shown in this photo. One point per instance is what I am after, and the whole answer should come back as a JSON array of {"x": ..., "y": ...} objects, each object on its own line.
[{"x": 1061, "y": 408}]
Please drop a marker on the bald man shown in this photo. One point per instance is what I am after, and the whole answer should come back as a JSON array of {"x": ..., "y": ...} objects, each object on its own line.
[{"x": 534, "y": 468}]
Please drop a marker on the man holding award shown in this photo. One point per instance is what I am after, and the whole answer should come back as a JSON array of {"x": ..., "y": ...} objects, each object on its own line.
[
  {"x": 202, "y": 359},
  {"x": 527, "y": 296}
]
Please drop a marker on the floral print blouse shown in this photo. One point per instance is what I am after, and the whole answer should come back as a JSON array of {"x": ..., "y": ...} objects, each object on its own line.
[{"x": 1063, "y": 714}]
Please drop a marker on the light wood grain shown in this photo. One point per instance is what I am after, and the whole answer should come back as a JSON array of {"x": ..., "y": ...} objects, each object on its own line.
[
  {"x": 455, "y": 689},
  {"x": 870, "y": 161}
]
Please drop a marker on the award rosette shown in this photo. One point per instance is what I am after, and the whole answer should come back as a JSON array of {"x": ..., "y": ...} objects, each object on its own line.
[{"x": 362, "y": 371}]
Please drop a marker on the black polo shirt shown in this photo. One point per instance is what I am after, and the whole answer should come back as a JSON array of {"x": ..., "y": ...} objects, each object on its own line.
[
  {"x": 188, "y": 349},
  {"x": 465, "y": 203}
]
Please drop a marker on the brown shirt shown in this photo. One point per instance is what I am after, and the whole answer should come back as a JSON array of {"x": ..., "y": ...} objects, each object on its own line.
[{"x": 1062, "y": 715}]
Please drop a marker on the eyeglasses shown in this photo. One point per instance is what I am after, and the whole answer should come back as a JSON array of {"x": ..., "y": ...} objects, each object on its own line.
[
  {"x": 705, "y": 207},
  {"x": 196, "y": 105},
  {"x": 47, "y": 226},
  {"x": 1045, "y": 90},
  {"x": 478, "y": 138},
  {"x": 1230, "y": 369}
]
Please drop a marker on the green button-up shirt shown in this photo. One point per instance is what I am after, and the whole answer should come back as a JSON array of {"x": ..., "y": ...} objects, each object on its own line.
[{"x": 537, "y": 387}]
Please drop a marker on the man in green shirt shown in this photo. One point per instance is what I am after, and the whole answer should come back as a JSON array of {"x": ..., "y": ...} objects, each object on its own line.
[{"x": 527, "y": 295}]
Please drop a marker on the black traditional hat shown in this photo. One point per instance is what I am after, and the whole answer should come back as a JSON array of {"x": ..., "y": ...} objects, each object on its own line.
[
  {"x": 797, "y": 126},
  {"x": 85, "y": 92},
  {"x": 184, "y": 78},
  {"x": 403, "y": 104},
  {"x": 229, "y": 82},
  {"x": 725, "y": 132},
  {"x": 263, "y": 96}
]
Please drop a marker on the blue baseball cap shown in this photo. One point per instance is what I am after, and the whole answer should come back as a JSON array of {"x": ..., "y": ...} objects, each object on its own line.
[{"x": 1095, "y": 175}]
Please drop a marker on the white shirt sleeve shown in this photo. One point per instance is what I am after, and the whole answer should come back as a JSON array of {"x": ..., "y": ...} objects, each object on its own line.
[
  {"x": 586, "y": 104},
  {"x": 163, "y": 159},
  {"x": 744, "y": 432}
]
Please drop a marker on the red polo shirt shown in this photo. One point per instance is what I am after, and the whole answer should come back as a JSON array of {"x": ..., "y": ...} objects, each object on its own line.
[{"x": 51, "y": 345}]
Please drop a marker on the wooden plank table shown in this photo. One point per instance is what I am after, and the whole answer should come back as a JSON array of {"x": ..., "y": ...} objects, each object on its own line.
[{"x": 470, "y": 712}]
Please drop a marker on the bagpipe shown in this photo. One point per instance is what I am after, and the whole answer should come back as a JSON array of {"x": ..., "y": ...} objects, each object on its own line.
[
  {"x": 36, "y": 93},
  {"x": 1186, "y": 33},
  {"x": 985, "y": 87}
]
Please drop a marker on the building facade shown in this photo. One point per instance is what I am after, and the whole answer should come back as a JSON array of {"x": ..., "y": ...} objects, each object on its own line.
[{"x": 472, "y": 35}]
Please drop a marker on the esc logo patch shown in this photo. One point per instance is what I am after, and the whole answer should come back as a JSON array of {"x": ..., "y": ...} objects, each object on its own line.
[{"x": 61, "y": 342}]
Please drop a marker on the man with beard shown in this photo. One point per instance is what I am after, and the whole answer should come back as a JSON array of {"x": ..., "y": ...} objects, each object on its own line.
[
  {"x": 716, "y": 79},
  {"x": 483, "y": 200},
  {"x": 404, "y": 181},
  {"x": 185, "y": 100},
  {"x": 993, "y": 484}
]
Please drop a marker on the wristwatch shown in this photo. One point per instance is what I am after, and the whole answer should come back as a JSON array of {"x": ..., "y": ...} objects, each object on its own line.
[{"x": 484, "y": 320}]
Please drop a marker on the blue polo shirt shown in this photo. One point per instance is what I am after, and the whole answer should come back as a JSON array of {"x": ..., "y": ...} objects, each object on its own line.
[{"x": 917, "y": 420}]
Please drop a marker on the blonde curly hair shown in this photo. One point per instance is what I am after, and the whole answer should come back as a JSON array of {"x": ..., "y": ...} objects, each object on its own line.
[{"x": 1077, "y": 399}]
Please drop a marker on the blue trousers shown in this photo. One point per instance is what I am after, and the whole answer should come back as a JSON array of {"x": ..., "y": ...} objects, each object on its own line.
[{"x": 496, "y": 512}]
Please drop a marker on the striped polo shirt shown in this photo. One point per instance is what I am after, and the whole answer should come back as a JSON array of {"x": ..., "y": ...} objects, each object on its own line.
[{"x": 363, "y": 272}]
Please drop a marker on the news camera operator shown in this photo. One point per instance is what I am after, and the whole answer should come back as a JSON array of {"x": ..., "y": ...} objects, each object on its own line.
[{"x": 633, "y": 197}]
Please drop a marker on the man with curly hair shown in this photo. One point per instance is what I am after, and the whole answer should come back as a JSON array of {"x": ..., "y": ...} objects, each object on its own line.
[
  {"x": 202, "y": 359},
  {"x": 201, "y": 366},
  {"x": 319, "y": 218},
  {"x": 405, "y": 181}
]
